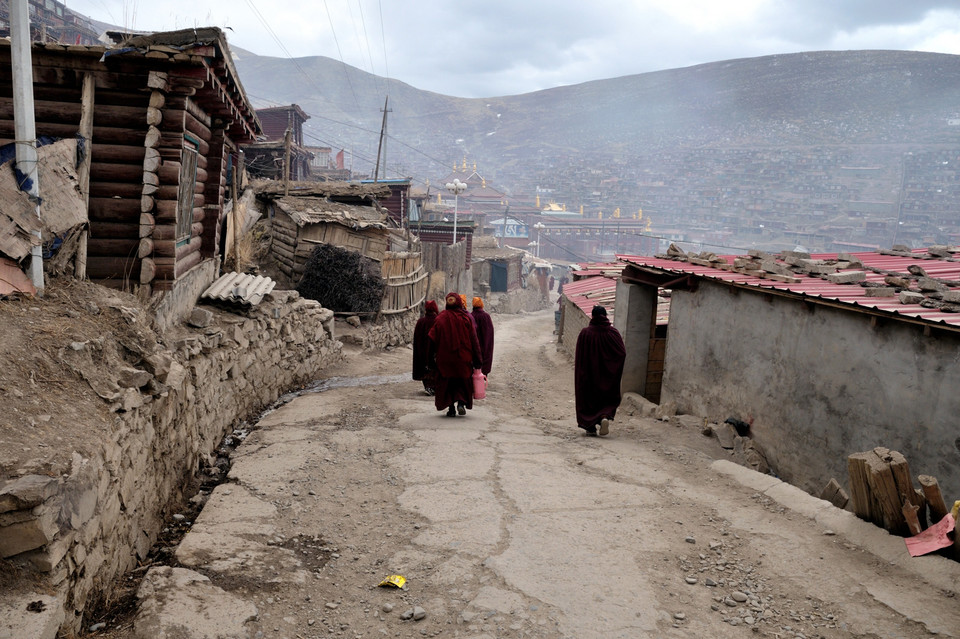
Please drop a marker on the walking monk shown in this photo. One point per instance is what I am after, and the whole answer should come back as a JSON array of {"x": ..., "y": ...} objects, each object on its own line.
[
  {"x": 423, "y": 368},
  {"x": 484, "y": 334},
  {"x": 597, "y": 371},
  {"x": 457, "y": 352}
]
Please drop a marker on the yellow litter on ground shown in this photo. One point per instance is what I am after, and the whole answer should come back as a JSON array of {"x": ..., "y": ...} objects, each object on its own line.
[{"x": 396, "y": 581}]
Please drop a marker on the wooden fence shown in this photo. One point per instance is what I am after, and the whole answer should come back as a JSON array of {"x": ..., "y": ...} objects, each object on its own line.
[{"x": 406, "y": 282}]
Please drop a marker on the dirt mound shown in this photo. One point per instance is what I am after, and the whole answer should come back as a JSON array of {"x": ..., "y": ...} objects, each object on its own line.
[{"x": 59, "y": 360}]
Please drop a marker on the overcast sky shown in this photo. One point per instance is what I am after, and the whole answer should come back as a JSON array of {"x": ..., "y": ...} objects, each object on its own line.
[{"x": 468, "y": 48}]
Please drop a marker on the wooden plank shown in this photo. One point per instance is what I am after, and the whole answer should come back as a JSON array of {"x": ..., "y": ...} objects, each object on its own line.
[
  {"x": 931, "y": 490},
  {"x": 910, "y": 516}
]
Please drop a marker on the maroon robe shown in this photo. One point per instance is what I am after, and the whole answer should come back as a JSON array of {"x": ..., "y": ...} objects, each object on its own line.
[
  {"x": 421, "y": 344},
  {"x": 457, "y": 351},
  {"x": 485, "y": 335},
  {"x": 597, "y": 371}
]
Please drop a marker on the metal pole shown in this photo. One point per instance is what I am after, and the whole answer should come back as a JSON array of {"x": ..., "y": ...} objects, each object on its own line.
[
  {"x": 456, "y": 209},
  {"x": 25, "y": 128}
]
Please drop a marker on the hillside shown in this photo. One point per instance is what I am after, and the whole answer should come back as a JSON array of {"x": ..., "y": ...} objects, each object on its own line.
[
  {"x": 829, "y": 150},
  {"x": 859, "y": 97}
]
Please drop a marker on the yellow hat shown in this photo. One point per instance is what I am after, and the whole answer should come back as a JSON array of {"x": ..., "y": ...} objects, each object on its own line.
[{"x": 477, "y": 302}]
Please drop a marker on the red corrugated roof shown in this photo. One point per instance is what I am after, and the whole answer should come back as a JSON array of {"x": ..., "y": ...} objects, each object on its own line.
[
  {"x": 589, "y": 292},
  {"x": 852, "y": 294}
]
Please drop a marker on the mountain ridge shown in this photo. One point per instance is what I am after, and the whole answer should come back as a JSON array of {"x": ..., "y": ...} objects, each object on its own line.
[{"x": 827, "y": 97}]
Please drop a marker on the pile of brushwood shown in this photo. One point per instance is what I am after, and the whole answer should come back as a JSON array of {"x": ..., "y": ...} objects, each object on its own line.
[{"x": 343, "y": 281}]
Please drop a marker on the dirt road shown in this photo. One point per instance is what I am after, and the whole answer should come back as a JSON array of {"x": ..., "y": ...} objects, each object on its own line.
[{"x": 508, "y": 522}]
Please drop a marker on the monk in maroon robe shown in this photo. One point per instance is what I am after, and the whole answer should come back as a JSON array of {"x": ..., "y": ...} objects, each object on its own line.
[
  {"x": 454, "y": 345},
  {"x": 597, "y": 370},
  {"x": 423, "y": 369},
  {"x": 484, "y": 325}
]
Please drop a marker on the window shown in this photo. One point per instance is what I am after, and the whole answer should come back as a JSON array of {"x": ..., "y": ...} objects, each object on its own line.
[{"x": 188, "y": 180}]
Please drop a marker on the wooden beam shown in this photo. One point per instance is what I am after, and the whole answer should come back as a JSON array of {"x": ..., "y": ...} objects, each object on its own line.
[
  {"x": 931, "y": 490},
  {"x": 83, "y": 170}
]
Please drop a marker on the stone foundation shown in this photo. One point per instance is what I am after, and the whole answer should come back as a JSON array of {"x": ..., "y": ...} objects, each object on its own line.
[{"x": 77, "y": 534}]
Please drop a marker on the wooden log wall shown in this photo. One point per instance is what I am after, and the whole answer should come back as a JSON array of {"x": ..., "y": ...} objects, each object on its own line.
[
  {"x": 284, "y": 233},
  {"x": 171, "y": 114},
  {"x": 117, "y": 154}
]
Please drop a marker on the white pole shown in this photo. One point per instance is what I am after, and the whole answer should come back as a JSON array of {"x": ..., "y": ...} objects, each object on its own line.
[
  {"x": 456, "y": 208},
  {"x": 25, "y": 128}
]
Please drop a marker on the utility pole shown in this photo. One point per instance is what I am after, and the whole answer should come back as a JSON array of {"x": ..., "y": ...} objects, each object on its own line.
[
  {"x": 25, "y": 126},
  {"x": 382, "y": 147},
  {"x": 286, "y": 161}
]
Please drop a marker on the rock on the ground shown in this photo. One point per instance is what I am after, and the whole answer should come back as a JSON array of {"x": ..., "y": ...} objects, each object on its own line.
[{"x": 176, "y": 603}]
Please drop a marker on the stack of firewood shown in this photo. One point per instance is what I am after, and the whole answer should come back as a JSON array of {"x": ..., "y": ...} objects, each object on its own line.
[{"x": 882, "y": 492}]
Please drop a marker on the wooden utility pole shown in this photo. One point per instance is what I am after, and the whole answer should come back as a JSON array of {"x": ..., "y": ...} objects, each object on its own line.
[
  {"x": 286, "y": 162},
  {"x": 86, "y": 139},
  {"x": 24, "y": 124},
  {"x": 382, "y": 147}
]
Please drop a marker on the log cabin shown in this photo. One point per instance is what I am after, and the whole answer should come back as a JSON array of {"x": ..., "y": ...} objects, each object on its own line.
[{"x": 160, "y": 118}]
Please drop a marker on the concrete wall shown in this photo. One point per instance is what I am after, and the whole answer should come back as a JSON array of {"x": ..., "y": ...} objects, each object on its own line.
[
  {"x": 177, "y": 304},
  {"x": 634, "y": 316},
  {"x": 817, "y": 383},
  {"x": 574, "y": 321},
  {"x": 79, "y": 534}
]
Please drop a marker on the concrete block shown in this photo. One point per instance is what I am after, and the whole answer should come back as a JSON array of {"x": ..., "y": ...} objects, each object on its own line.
[
  {"x": 879, "y": 291},
  {"x": 910, "y": 297},
  {"x": 953, "y": 297},
  {"x": 846, "y": 277},
  {"x": 931, "y": 284}
]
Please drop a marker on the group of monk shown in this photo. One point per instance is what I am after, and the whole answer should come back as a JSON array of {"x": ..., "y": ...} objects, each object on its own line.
[{"x": 448, "y": 346}]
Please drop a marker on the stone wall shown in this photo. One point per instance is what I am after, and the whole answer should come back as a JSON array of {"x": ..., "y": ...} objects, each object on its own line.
[
  {"x": 389, "y": 330},
  {"x": 79, "y": 533}
]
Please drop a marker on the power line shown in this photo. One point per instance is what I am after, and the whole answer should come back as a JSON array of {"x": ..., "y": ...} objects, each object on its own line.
[
  {"x": 366, "y": 41},
  {"x": 383, "y": 40},
  {"x": 340, "y": 53}
]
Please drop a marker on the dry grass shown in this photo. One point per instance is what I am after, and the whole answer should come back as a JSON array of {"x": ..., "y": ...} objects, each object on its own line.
[{"x": 248, "y": 250}]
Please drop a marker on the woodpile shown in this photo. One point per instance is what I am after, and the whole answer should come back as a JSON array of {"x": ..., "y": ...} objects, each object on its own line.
[
  {"x": 342, "y": 280},
  {"x": 882, "y": 492}
]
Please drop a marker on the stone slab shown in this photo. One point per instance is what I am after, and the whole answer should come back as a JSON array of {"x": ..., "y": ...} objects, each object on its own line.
[
  {"x": 30, "y": 614},
  {"x": 177, "y": 603}
]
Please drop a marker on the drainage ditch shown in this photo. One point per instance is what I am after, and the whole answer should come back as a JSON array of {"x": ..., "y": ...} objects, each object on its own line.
[{"x": 112, "y": 614}]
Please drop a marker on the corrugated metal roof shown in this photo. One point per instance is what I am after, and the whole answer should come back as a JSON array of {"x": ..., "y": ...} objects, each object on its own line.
[
  {"x": 589, "y": 292},
  {"x": 876, "y": 265},
  {"x": 239, "y": 288}
]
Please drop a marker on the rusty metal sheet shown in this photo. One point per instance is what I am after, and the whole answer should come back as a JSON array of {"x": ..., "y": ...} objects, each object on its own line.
[{"x": 13, "y": 281}]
